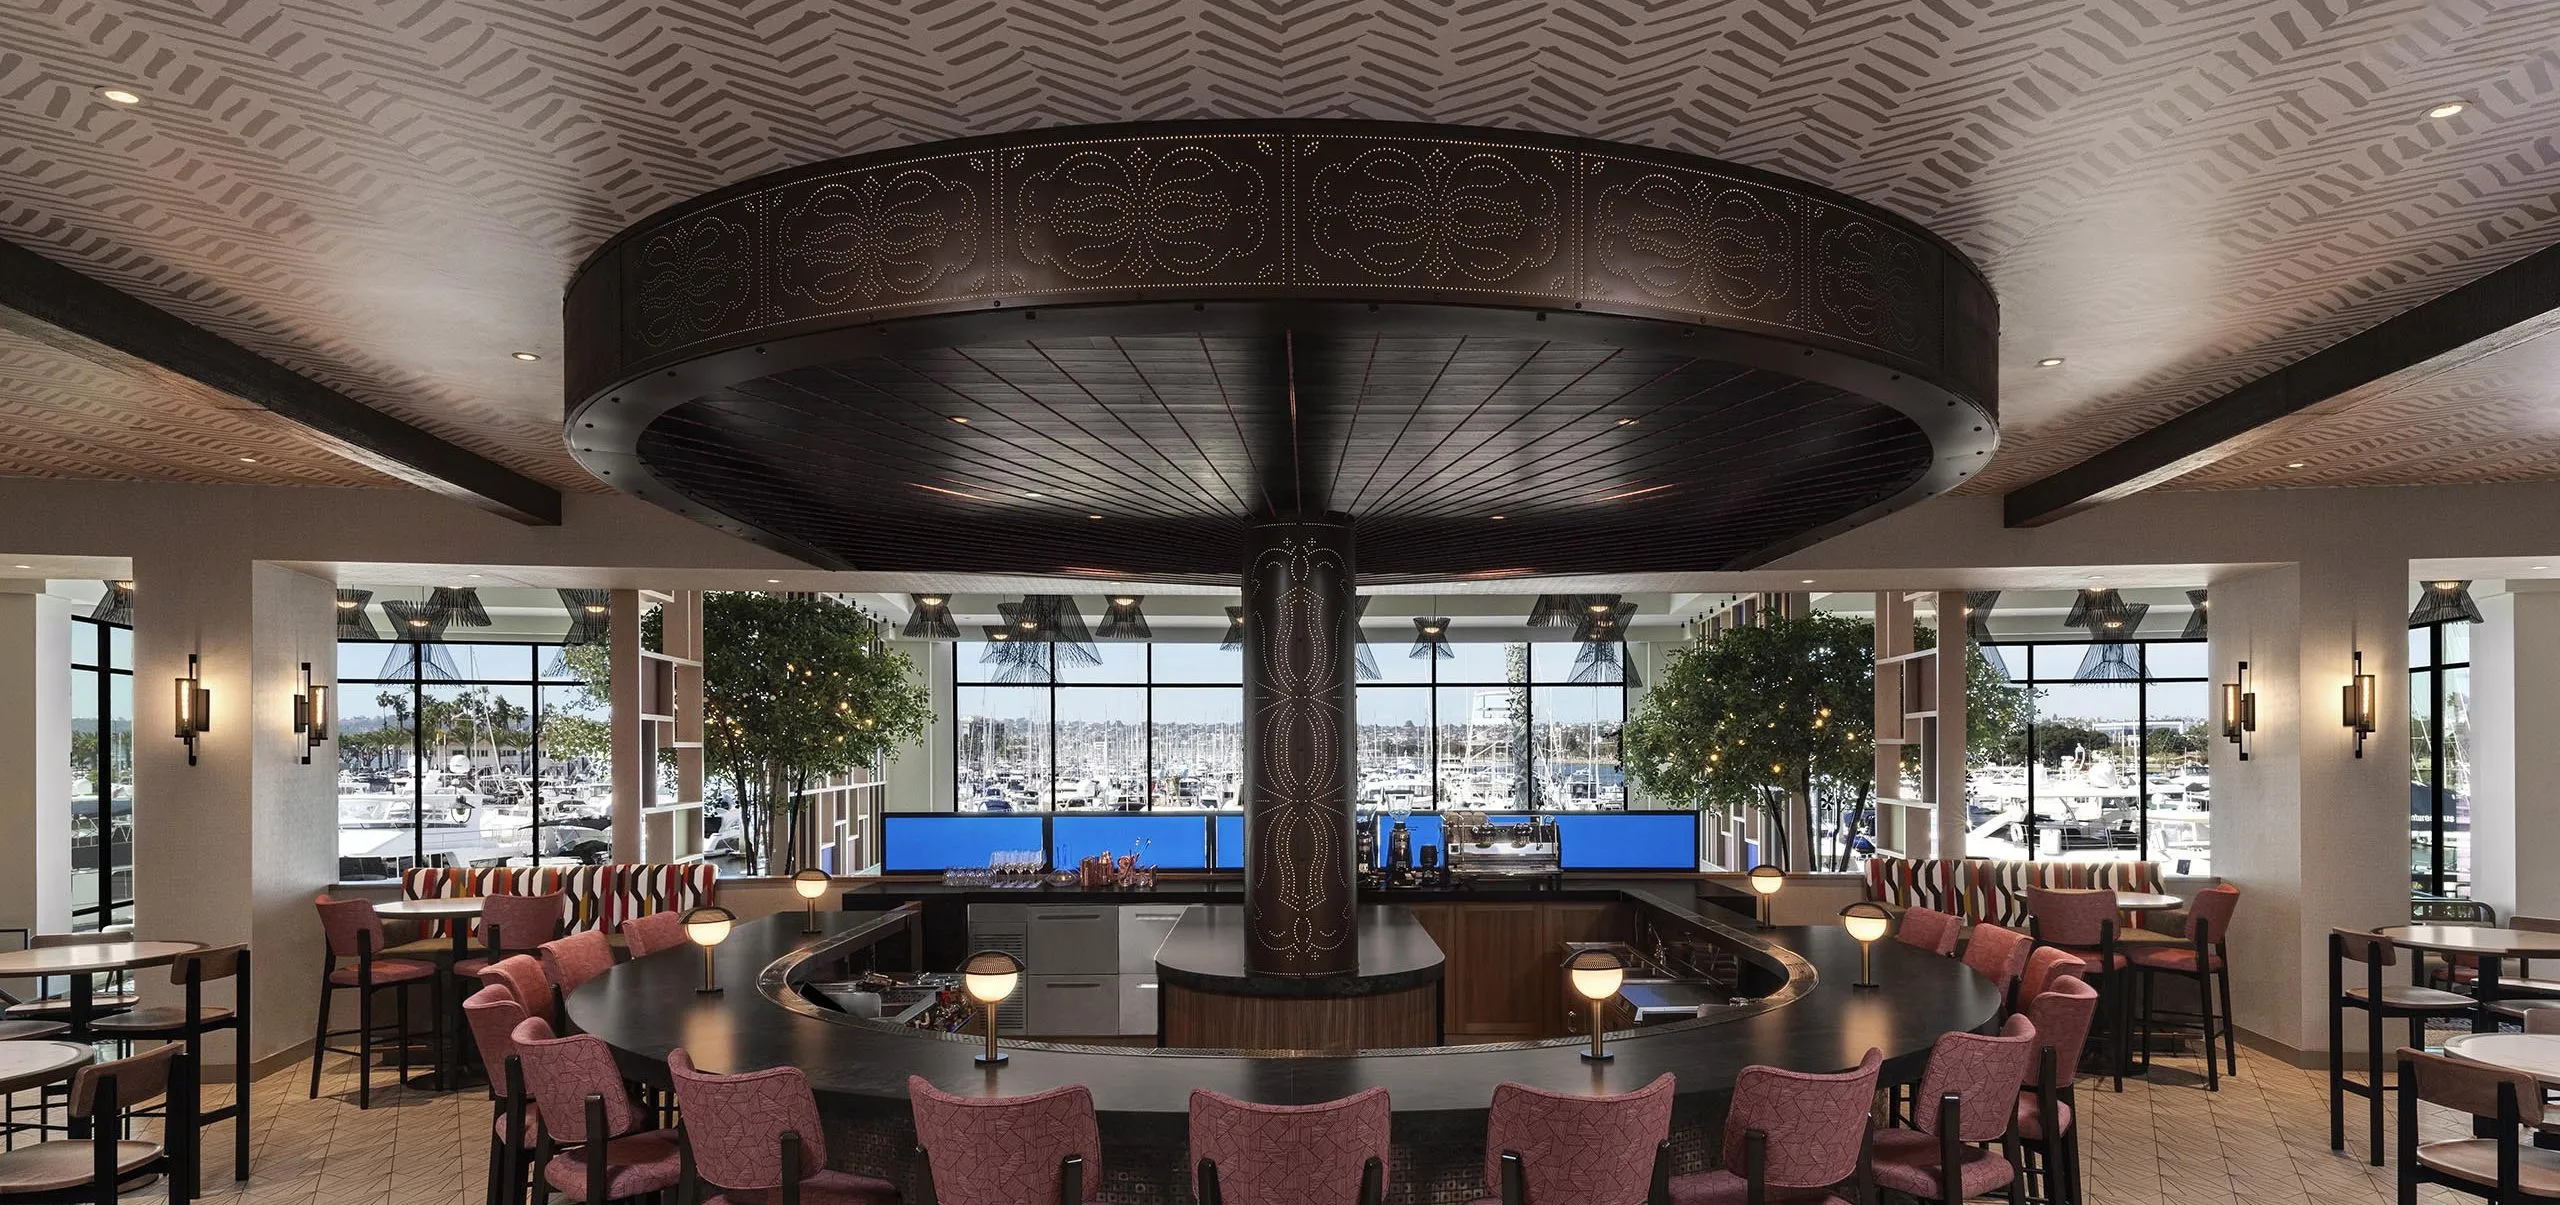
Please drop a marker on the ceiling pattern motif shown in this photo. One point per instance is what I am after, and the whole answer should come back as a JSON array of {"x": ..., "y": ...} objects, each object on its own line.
[{"x": 2175, "y": 197}]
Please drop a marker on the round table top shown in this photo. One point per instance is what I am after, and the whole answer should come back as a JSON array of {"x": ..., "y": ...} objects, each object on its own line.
[
  {"x": 435, "y": 908},
  {"x": 91, "y": 958},
  {"x": 2466, "y": 939},
  {"x": 2146, "y": 901},
  {"x": 2534, "y": 1054},
  {"x": 27, "y": 1064}
]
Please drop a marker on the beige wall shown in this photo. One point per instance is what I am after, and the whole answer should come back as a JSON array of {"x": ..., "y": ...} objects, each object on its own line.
[{"x": 35, "y": 759}]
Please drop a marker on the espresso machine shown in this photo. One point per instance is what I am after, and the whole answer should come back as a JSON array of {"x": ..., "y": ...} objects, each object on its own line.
[{"x": 1474, "y": 848}]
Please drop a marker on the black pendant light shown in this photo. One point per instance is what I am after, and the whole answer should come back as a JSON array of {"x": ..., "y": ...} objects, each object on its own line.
[
  {"x": 1556, "y": 610},
  {"x": 461, "y": 604},
  {"x": 1234, "y": 639},
  {"x": 2111, "y": 622},
  {"x": 1977, "y": 613},
  {"x": 1018, "y": 659},
  {"x": 1122, "y": 620},
  {"x": 1053, "y": 620},
  {"x": 1363, "y": 658},
  {"x": 930, "y": 618},
  {"x": 2098, "y": 611},
  {"x": 421, "y": 624},
  {"x": 353, "y": 622},
  {"x": 116, "y": 605},
  {"x": 2108, "y": 663},
  {"x": 2197, "y": 617},
  {"x": 2445, "y": 602},
  {"x": 1603, "y": 618},
  {"x": 590, "y": 616},
  {"x": 1604, "y": 664},
  {"x": 1431, "y": 638}
]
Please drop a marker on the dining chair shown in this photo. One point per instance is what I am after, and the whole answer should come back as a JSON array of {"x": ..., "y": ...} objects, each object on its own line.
[
  {"x": 1570, "y": 1148},
  {"x": 2380, "y": 1001},
  {"x": 2496, "y": 1164},
  {"x": 2048, "y": 1113},
  {"x": 613, "y": 1153},
  {"x": 1332, "y": 1153},
  {"x": 1793, "y": 1136},
  {"x": 1968, "y": 1098},
  {"x": 95, "y": 1168},
  {"x": 186, "y": 1024},
  {"x": 1007, "y": 1150},
  {"x": 754, "y": 1138}
]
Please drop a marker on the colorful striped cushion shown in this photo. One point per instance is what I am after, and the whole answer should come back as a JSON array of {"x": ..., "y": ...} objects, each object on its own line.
[
  {"x": 1981, "y": 889},
  {"x": 591, "y": 897}
]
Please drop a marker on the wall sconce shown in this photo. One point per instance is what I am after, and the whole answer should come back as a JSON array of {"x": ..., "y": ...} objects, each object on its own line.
[
  {"x": 2357, "y": 711},
  {"x": 311, "y": 713},
  {"x": 194, "y": 708},
  {"x": 2239, "y": 710},
  {"x": 1596, "y": 976},
  {"x": 1765, "y": 881}
]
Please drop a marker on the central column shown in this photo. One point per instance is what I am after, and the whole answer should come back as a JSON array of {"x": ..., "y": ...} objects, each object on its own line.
[{"x": 1299, "y": 787}]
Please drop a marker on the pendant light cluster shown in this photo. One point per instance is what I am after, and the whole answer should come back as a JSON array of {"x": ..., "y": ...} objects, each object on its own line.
[
  {"x": 1122, "y": 620},
  {"x": 929, "y": 618},
  {"x": 353, "y": 622},
  {"x": 590, "y": 616},
  {"x": 1977, "y": 613},
  {"x": 2445, "y": 602},
  {"x": 116, "y": 605},
  {"x": 2110, "y": 622},
  {"x": 2198, "y": 616}
]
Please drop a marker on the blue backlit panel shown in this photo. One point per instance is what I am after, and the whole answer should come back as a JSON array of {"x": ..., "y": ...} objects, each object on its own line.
[
  {"x": 932, "y": 844},
  {"x": 1628, "y": 840},
  {"x": 1173, "y": 842}
]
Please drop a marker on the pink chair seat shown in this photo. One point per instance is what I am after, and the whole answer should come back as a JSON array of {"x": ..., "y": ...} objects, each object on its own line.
[
  {"x": 820, "y": 1188},
  {"x": 1907, "y": 1162},
  {"x": 2031, "y": 1116},
  {"x": 2091, "y": 962},
  {"x": 2172, "y": 958},
  {"x": 1721, "y": 1187},
  {"x": 635, "y": 1164},
  {"x": 390, "y": 970}
]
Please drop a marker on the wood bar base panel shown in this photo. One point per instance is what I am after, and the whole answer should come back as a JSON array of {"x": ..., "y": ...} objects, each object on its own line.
[{"x": 1331, "y": 1024}]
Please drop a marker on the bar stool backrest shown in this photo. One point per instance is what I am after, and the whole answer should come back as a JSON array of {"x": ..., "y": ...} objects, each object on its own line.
[
  {"x": 56, "y": 941},
  {"x": 2042, "y": 967},
  {"x": 2062, "y": 1015},
  {"x": 1930, "y": 929},
  {"x": 646, "y": 935},
  {"x": 2212, "y": 909},
  {"x": 522, "y": 976},
  {"x": 577, "y": 958},
  {"x": 1006, "y": 1150},
  {"x": 1999, "y": 954},
  {"x": 1983, "y": 1073},
  {"x": 560, "y": 1073},
  {"x": 2542, "y": 1020},
  {"x": 344, "y": 920},
  {"x": 2071, "y": 918},
  {"x": 139, "y": 1080},
  {"x": 2535, "y": 924},
  {"x": 2474, "y": 1087},
  {"x": 494, "y": 1014},
  {"x": 1289, "y": 1154},
  {"x": 515, "y": 924},
  {"x": 1592, "y": 1150},
  {"x": 1816, "y": 1125},
  {"x": 735, "y": 1123},
  {"x": 220, "y": 962}
]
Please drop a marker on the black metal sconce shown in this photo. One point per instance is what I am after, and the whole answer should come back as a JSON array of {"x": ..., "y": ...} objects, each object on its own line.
[
  {"x": 2358, "y": 705},
  {"x": 2239, "y": 710},
  {"x": 311, "y": 714},
  {"x": 194, "y": 708}
]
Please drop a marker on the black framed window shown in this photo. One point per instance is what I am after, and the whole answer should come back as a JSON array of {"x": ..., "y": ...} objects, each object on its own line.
[
  {"x": 1161, "y": 725},
  {"x": 471, "y": 754},
  {"x": 2108, "y": 762},
  {"x": 101, "y": 773},
  {"x": 2440, "y": 759}
]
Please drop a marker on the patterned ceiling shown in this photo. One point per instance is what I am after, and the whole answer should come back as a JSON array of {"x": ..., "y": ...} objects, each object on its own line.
[{"x": 2173, "y": 196}]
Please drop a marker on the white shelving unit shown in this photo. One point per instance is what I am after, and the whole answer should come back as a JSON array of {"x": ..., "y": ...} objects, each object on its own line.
[
  {"x": 657, "y": 706},
  {"x": 1919, "y": 708}
]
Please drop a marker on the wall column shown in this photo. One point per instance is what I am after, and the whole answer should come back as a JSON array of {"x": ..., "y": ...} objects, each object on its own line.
[
  {"x": 35, "y": 759},
  {"x": 2515, "y": 709},
  {"x": 233, "y": 848},
  {"x": 1300, "y": 742},
  {"x": 2314, "y": 836}
]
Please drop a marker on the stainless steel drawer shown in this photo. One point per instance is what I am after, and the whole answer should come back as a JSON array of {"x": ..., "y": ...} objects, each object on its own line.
[
  {"x": 1142, "y": 932},
  {"x": 1069, "y": 1006},
  {"x": 1138, "y": 1004},
  {"x": 1067, "y": 940}
]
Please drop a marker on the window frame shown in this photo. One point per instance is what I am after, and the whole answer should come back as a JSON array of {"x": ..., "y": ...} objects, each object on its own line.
[
  {"x": 99, "y": 641},
  {"x": 2142, "y": 683},
  {"x": 2439, "y": 864}
]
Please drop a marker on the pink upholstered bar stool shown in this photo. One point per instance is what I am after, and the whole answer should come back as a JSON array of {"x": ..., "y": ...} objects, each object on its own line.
[
  {"x": 2043, "y": 967},
  {"x": 1008, "y": 1150},
  {"x": 646, "y": 935},
  {"x": 512, "y": 924},
  {"x": 1559, "y": 1148},
  {"x": 524, "y": 979},
  {"x": 586, "y": 1106},
  {"x": 573, "y": 960},
  {"x": 1930, "y": 929},
  {"x": 2199, "y": 961},
  {"x": 2084, "y": 923},
  {"x": 1793, "y": 1137},
  {"x": 2047, "y": 1115},
  {"x": 354, "y": 931},
  {"x": 1333, "y": 1153},
  {"x": 1968, "y": 1096},
  {"x": 1999, "y": 955},
  {"x": 493, "y": 1014},
  {"x": 750, "y": 1139}
]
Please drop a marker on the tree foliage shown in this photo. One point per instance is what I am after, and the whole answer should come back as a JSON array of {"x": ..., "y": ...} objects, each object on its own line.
[{"x": 1778, "y": 719}]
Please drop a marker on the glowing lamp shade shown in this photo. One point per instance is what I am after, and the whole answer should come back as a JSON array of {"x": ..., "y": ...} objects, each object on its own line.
[
  {"x": 1866, "y": 922},
  {"x": 708, "y": 926},
  {"x": 989, "y": 976},
  {"x": 1765, "y": 881},
  {"x": 1596, "y": 975},
  {"x": 811, "y": 883}
]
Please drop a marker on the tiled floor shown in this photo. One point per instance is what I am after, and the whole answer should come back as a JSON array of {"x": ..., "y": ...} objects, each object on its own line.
[{"x": 2262, "y": 1140}]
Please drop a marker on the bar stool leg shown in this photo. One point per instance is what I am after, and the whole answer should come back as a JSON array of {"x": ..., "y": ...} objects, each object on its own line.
[
  {"x": 242, "y": 1052},
  {"x": 2337, "y": 1051},
  {"x": 364, "y": 1046},
  {"x": 2230, "y": 1040},
  {"x": 320, "y": 1035},
  {"x": 2373, "y": 1076}
]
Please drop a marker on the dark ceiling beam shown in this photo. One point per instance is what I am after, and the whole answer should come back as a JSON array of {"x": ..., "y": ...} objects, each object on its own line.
[
  {"x": 2512, "y": 305},
  {"x": 63, "y": 309}
]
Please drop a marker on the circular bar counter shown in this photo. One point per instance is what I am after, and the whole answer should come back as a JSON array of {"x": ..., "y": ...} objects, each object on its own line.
[
  {"x": 1211, "y": 999},
  {"x": 1813, "y": 1021}
]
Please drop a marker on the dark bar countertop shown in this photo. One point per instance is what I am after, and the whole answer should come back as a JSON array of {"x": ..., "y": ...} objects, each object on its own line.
[{"x": 1205, "y": 953}]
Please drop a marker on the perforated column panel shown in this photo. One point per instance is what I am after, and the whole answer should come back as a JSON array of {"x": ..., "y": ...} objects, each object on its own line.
[{"x": 1299, "y": 620}]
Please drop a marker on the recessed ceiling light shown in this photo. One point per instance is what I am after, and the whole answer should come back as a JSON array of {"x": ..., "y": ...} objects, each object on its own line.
[
  {"x": 248, "y": 460},
  {"x": 1808, "y": 581},
  {"x": 961, "y": 419},
  {"x": 526, "y": 356},
  {"x": 1095, "y": 518},
  {"x": 773, "y": 581},
  {"x": 471, "y": 575},
  {"x": 2537, "y": 568},
  {"x": 2050, "y": 362},
  {"x": 119, "y": 96},
  {"x": 1626, "y": 422},
  {"x": 31, "y": 566},
  {"x": 2451, "y": 108},
  {"x": 2295, "y": 464},
  {"x": 1497, "y": 518},
  {"x": 1033, "y": 494}
]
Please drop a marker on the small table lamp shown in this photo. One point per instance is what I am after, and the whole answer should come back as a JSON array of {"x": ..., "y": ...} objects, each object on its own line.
[
  {"x": 708, "y": 926},
  {"x": 1866, "y": 922},
  {"x": 1596, "y": 976},
  {"x": 811, "y": 883},
  {"x": 989, "y": 976},
  {"x": 1766, "y": 880}
]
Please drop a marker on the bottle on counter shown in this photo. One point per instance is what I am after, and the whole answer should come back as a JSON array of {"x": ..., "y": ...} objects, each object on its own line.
[{"x": 1399, "y": 849}]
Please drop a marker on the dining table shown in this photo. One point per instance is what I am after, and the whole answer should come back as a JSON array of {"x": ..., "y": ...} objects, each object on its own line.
[
  {"x": 30, "y": 1063},
  {"x": 2490, "y": 947},
  {"x": 456, "y": 913},
  {"x": 79, "y": 962}
]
